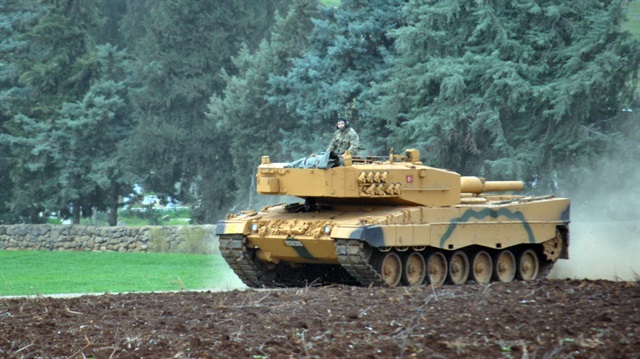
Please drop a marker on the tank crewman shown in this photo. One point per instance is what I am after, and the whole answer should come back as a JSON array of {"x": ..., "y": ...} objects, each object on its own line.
[{"x": 345, "y": 138}]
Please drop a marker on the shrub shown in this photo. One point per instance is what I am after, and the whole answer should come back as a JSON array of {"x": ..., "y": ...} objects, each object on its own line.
[
  {"x": 188, "y": 240},
  {"x": 159, "y": 241},
  {"x": 195, "y": 241}
]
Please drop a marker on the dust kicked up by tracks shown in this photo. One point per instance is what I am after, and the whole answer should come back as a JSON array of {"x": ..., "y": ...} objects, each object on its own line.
[{"x": 552, "y": 318}]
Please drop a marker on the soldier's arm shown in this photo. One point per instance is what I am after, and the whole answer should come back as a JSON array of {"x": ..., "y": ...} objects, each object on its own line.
[
  {"x": 354, "y": 143},
  {"x": 333, "y": 145}
]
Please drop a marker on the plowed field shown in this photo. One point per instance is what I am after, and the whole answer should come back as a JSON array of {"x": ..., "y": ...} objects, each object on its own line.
[{"x": 548, "y": 319}]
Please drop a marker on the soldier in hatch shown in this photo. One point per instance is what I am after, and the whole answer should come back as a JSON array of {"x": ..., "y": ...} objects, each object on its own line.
[{"x": 345, "y": 138}]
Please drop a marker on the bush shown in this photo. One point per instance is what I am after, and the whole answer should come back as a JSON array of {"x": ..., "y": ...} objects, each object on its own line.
[
  {"x": 195, "y": 241},
  {"x": 191, "y": 240},
  {"x": 158, "y": 241}
]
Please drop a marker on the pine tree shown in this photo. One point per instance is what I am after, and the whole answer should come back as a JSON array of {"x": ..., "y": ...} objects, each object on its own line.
[
  {"x": 58, "y": 66},
  {"x": 252, "y": 125},
  {"x": 53, "y": 66},
  {"x": 15, "y": 17},
  {"x": 513, "y": 89},
  {"x": 91, "y": 133},
  {"x": 333, "y": 78},
  {"x": 185, "y": 45},
  {"x": 65, "y": 152},
  {"x": 73, "y": 163}
]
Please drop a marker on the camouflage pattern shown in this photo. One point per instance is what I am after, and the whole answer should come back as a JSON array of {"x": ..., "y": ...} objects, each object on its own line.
[
  {"x": 291, "y": 235},
  {"x": 380, "y": 221},
  {"x": 345, "y": 139}
]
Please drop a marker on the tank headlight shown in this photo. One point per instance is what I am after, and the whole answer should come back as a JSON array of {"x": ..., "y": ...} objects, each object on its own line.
[
  {"x": 254, "y": 227},
  {"x": 327, "y": 229}
]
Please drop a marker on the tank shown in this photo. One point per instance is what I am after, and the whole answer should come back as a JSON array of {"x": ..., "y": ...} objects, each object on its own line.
[{"x": 390, "y": 221}]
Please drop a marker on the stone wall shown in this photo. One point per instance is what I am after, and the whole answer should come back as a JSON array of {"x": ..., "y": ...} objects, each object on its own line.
[{"x": 176, "y": 239}]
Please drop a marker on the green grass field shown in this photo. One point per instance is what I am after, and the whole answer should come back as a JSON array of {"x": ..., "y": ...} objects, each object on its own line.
[{"x": 47, "y": 272}]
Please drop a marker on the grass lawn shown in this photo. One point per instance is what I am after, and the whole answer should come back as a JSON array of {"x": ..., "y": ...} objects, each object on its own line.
[{"x": 49, "y": 272}]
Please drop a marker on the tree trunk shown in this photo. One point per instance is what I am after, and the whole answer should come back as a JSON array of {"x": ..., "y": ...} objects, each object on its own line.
[
  {"x": 113, "y": 206},
  {"x": 76, "y": 213}
]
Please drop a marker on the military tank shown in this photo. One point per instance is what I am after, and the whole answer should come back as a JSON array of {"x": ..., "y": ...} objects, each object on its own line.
[{"x": 389, "y": 221}]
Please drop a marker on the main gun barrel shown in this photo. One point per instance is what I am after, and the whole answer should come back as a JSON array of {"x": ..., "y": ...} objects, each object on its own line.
[{"x": 476, "y": 185}]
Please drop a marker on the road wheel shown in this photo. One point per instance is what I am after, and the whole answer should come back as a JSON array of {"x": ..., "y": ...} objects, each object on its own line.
[
  {"x": 528, "y": 265},
  {"x": 505, "y": 266},
  {"x": 414, "y": 269},
  {"x": 458, "y": 268},
  {"x": 390, "y": 268},
  {"x": 436, "y": 268},
  {"x": 481, "y": 267}
]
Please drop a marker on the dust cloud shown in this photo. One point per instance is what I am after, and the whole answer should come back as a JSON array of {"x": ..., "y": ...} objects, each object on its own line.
[
  {"x": 605, "y": 250},
  {"x": 222, "y": 276},
  {"x": 605, "y": 219}
]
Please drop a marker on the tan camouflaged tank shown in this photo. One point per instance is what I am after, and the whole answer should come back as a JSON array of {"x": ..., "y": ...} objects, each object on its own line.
[{"x": 389, "y": 221}]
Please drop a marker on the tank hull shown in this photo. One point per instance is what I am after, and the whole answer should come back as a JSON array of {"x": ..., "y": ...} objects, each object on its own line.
[{"x": 280, "y": 238}]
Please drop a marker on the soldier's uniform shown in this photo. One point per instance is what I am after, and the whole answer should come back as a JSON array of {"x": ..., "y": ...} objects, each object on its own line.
[{"x": 345, "y": 139}]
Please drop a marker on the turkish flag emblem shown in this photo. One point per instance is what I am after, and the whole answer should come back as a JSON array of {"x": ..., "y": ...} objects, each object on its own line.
[{"x": 409, "y": 179}]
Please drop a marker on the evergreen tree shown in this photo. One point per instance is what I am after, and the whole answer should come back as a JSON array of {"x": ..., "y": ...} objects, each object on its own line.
[
  {"x": 66, "y": 115},
  {"x": 31, "y": 172},
  {"x": 511, "y": 88},
  {"x": 53, "y": 65},
  {"x": 75, "y": 160},
  {"x": 253, "y": 125},
  {"x": 15, "y": 17},
  {"x": 57, "y": 67},
  {"x": 334, "y": 77},
  {"x": 185, "y": 45},
  {"x": 91, "y": 133},
  {"x": 112, "y": 30}
]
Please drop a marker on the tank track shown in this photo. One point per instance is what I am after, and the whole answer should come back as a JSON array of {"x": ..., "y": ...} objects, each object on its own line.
[
  {"x": 549, "y": 252},
  {"x": 257, "y": 274},
  {"x": 241, "y": 260},
  {"x": 352, "y": 257},
  {"x": 545, "y": 269}
]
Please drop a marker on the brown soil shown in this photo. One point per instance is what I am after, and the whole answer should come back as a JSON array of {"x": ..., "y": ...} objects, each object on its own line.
[{"x": 549, "y": 319}]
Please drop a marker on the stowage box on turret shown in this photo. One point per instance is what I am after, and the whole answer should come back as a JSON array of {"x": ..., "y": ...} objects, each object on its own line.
[{"x": 388, "y": 221}]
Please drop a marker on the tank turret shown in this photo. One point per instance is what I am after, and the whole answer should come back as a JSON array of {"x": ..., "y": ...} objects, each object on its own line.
[{"x": 396, "y": 180}]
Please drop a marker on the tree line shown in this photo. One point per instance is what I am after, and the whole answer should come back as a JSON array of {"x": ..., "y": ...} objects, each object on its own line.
[{"x": 184, "y": 96}]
